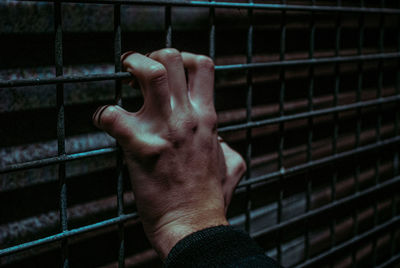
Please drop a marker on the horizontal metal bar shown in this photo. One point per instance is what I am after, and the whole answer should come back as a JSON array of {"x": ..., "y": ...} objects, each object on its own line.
[
  {"x": 352, "y": 242},
  {"x": 67, "y": 234},
  {"x": 188, "y": 3},
  {"x": 126, "y": 75},
  {"x": 337, "y": 204},
  {"x": 273, "y": 176},
  {"x": 391, "y": 262},
  {"x": 55, "y": 160},
  {"x": 63, "y": 79},
  {"x": 286, "y": 118},
  {"x": 310, "y": 61}
]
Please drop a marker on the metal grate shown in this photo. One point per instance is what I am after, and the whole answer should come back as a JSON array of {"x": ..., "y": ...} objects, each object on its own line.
[{"x": 377, "y": 148}]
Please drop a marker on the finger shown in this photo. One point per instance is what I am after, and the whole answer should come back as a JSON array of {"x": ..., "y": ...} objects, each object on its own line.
[
  {"x": 115, "y": 121},
  {"x": 153, "y": 80},
  {"x": 172, "y": 61},
  {"x": 235, "y": 168},
  {"x": 201, "y": 77}
]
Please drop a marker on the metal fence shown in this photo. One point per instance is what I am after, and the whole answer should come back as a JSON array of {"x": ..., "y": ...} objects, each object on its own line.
[{"x": 323, "y": 168}]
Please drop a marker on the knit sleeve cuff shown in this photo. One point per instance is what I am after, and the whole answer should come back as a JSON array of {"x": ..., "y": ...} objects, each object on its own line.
[{"x": 221, "y": 246}]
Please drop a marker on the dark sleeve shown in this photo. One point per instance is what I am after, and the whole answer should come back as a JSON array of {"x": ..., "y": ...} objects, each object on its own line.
[{"x": 221, "y": 246}]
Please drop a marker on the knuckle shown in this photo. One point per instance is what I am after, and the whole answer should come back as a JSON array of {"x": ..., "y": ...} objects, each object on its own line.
[
  {"x": 156, "y": 73},
  {"x": 204, "y": 62},
  {"x": 169, "y": 54},
  {"x": 211, "y": 120}
]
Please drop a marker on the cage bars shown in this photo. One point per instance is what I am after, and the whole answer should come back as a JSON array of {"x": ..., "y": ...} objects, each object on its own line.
[
  {"x": 282, "y": 79},
  {"x": 211, "y": 36},
  {"x": 396, "y": 155},
  {"x": 360, "y": 78},
  {"x": 119, "y": 156},
  {"x": 365, "y": 236},
  {"x": 190, "y": 3},
  {"x": 367, "y": 194},
  {"x": 282, "y": 173},
  {"x": 335, "y": 136},
  {"x": 378, "y": 125},
  {"x": 231, "y": 67},
  {"x": 168, "y": 27},
  {"x": 249, "y": 101},
  {"x": 58, "y": 45},
  {"x": 310, "y": 124}
]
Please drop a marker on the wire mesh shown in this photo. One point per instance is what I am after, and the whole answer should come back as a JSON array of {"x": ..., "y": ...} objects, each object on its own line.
[{"x": 284, "y": 173}]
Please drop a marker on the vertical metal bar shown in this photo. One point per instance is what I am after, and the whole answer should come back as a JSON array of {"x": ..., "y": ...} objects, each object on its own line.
[
  {"x": 211, "y": 19},
  {"x": 168, "y": 27},
  {"x": 336, "y": 118},
  {"x": 119, "y": 161},
  {"x": 249, "y": 100},
  {"x": 396, "y": 133},
  {"x": 282, "y": 78},
  {"x": 378, "y": 124},
  {"x": 358, "y": 124},
  {"x": 310, "y": 131},
  {"x": 212, "y": 32},
  {"x": 61, "y": 129}
]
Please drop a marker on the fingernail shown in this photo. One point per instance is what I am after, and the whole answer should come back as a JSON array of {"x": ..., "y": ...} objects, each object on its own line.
[
  {"x": 126, "y": 54},
  {"x": 94, "y": 114},
  {"x": 100, "y": 113}
]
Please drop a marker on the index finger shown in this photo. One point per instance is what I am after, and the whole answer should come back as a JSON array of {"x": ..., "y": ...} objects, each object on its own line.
[{"x": 153, "y": 80}]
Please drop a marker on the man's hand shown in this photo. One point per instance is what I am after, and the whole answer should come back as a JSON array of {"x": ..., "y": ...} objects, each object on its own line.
[{"x": 182, "y": 175}]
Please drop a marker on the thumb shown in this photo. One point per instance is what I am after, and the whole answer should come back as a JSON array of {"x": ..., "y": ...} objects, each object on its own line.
[{"x": 115, "y": 121}]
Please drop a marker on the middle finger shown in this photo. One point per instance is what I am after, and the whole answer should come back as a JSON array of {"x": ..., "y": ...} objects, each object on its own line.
[{"x": 172, "y": 61}]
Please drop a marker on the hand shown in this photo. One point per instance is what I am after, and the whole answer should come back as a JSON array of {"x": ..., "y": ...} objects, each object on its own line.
[{"x": 182, "y": 176}]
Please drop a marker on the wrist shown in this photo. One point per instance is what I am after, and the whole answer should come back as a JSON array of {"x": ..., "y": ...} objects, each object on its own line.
[{"x": 170, "y": 233}]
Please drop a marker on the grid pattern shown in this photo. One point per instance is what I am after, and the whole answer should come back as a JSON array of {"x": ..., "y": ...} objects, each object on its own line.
[{"x": 284, "y": 173}]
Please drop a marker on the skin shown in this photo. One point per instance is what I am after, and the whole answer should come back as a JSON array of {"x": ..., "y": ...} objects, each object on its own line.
[{"x": 183, "y": 175}]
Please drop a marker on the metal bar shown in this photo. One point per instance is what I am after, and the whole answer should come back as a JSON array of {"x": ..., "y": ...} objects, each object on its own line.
[
  {"x": 126, "y": 75},
  {"x": 360, "y": 77},
  {"x": 378, "y": 125},
  {"x": 271, "y": 177},
  {"x": 313, "y": 61},
  {"x": 350, "y": 200},
  {"x": 119, "y": 158},
  {"x": 282, "y": 78},
  {"x": 67, "y": 234},
  {"x": 212, "y": 32},
  {"x": 58, "y": 47},
  {"x": 211, "y": 40},
  {"x": 249, "y": 101},
  {"x": 352, "y": 242},
  {"x": 335, "y": 119},
  {"x": 168, "y": 27},
  {"x": 396, "y": 154},
  {"x": 206, "y": 4},
  {"x": 63, "y": 79},
  {"x": 310, "y": 126},
  {"x": 55, "y": 160},
  {"x": 314, "y": 113},
  {"x": 391, "y": 262}
]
